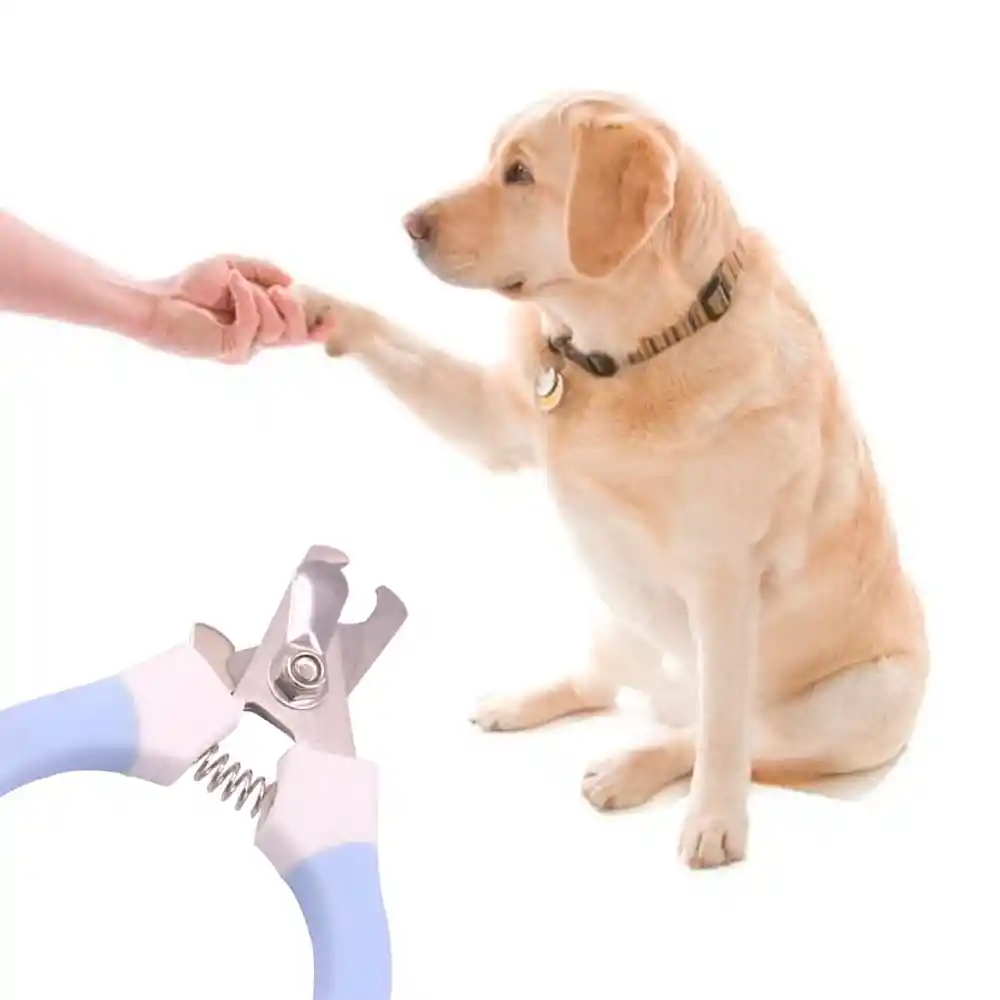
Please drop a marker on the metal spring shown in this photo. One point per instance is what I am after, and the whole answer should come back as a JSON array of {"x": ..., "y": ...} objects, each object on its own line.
[{"x": 234, "y": 779}]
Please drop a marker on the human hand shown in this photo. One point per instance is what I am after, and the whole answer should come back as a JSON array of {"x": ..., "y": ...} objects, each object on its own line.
[{"x": 228, "y": 308}]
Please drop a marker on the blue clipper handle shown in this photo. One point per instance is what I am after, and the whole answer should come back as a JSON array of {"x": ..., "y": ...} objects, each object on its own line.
[
  {"x": 340, "y": 895},
  {"x": 89, "y": 728},
  {"x": 321, "y": 834}
]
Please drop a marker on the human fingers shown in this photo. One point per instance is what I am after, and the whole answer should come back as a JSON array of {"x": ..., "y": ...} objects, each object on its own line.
[
  {"x": 239, "y": 336},
  {"x": 271, "y": 329},
  {"x": 294, "y": 314},
  {"x": 262, "y": 272},
  {"x": 321, "y": 311}
]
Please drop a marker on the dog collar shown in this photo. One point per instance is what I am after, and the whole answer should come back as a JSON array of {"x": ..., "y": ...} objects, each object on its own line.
[{"x": 711, "y": 303}]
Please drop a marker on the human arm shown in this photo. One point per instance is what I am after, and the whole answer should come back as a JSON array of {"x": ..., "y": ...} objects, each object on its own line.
[{"x": 225, "y": 308}]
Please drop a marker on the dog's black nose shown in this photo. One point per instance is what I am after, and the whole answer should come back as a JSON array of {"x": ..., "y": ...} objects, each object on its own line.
[{"x": 419, "y": 227}]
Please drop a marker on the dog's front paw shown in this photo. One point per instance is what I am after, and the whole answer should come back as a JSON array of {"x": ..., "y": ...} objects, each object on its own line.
[
  {"x": 714, "y": 836},
  {"x": 349, "y": 323}
]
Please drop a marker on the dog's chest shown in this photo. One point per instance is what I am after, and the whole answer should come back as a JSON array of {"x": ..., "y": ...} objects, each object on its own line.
[{"x": 620, "y": 507}]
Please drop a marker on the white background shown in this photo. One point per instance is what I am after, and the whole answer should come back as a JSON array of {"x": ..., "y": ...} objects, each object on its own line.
[{"x": 142, "y": 492}]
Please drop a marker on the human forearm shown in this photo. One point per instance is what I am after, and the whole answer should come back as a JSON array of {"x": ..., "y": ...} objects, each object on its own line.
[{"x": 41, "y": 277}]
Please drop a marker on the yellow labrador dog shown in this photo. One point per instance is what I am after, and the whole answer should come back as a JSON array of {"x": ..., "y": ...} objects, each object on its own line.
[{"x": 679, "y": 397}]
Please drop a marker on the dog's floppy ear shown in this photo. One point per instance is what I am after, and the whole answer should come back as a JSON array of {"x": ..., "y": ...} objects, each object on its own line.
[{"x": 623, "y": 185}]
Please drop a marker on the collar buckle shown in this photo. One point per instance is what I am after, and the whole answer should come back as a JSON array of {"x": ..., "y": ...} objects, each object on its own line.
[
  {"x": 600, "y": 364},
  {"x": 716, "y": 296},
  {"x": 595, "y": 363}
]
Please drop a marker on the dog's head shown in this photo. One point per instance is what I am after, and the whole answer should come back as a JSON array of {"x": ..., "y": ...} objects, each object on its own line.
[{"x": 572, "y": 190}]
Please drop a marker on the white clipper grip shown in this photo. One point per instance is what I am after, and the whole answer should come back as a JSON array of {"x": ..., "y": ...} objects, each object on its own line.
[{"x": 150, "y": 721}]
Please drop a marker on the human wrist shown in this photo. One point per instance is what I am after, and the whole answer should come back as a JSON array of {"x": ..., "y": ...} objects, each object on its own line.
[{"x": 133, "y": 306}]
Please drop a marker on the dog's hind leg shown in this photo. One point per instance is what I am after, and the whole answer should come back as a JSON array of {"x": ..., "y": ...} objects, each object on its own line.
[
  {"x": 854, "y": 720},
  {"x": 616, "y": 655}
]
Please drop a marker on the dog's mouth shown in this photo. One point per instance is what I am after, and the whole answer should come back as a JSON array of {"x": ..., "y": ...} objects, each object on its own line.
[
  {"x": 461, "y": 272},
  {"x": 513, "y": 285}
]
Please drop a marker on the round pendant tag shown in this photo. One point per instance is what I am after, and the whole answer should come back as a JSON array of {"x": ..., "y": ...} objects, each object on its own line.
[{"x": 549, "y": 389}]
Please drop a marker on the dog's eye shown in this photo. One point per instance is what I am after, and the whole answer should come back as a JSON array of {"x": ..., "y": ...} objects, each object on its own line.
[{"x": 517, "y": 173}]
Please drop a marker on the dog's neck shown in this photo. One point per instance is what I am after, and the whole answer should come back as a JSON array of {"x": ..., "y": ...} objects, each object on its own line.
[
  {"x": 657, "y": 285},
  {"x": 612, "y": 317}
]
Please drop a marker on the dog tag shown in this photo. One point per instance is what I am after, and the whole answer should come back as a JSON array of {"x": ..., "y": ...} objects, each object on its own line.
[{"x": 549, "y": 389}]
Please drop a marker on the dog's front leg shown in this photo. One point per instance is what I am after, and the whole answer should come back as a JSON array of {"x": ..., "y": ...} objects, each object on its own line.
[
  {"x": 724, "y": 611},
  {"x": 481, "y": 410}
]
